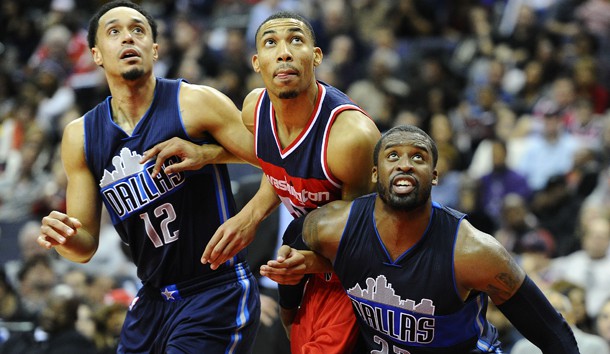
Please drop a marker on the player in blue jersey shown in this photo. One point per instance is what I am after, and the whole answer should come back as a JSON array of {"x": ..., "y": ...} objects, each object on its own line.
[
  {"x": 166, "y": 218},
  {"x": 418, "y": 274}
]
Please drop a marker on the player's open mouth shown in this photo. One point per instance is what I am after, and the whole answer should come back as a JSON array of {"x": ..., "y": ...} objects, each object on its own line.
[
  {"x": 130, "y": 53},
  {"x": 403, "y": 184}
]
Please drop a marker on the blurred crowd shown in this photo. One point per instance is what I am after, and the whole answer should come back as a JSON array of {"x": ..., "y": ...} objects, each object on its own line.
[{"x": 516, "y": 94}]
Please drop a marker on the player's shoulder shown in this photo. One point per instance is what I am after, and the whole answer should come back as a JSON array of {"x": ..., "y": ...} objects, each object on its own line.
[
  {"x": 475, "y": 248},
  {"x": 73, "y": 139},
  {"x": 197, "y": 101},
  {"x": 328, "y": 221},
  {"x": 251, "y": 99},
  {"x": 355, "y": 124},
  {"x": 201, "y": 94},
  {"x": 330, "y": 213},
  {"x": 471, "y": 239},
  {"x": 352, "y": 130},
  {"x": 253, "y": 95},
  {"x": 75, "y": 128}
]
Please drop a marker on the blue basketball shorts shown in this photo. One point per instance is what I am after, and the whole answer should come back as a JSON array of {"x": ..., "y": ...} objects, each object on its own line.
[{"x": 219, "y": 313}]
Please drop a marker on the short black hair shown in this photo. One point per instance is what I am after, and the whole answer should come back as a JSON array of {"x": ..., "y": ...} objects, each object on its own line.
[
  {"x": 95, "y": 20},
  {"x": 287, "y": 14},
  {"x": 406, "y": 129}
]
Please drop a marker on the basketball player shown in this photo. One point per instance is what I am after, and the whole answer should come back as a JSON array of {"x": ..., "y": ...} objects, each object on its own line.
[
  {"x": 419, "y": 274},
  {"x": 183, "y": 306},
  {"x": 314, "y": 146}
]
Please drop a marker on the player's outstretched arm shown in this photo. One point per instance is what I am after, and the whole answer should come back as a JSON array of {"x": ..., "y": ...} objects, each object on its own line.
[
  {"x": 75, "y": 234},
  {"x": 482, "y": 264},
  {"x": 191, "y": 155},
  {"x": 206, "y": 111},
  {"x": 239, "y": 231}
]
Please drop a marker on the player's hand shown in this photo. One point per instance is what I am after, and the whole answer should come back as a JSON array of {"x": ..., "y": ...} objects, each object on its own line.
[
  {"x": 288, "y": 268},
  {"x": 269, "y": 310},
  {"x": 191, "y": 155},
  {"x": 230, "y": 238},
  {"x": 56, "y": 229}
]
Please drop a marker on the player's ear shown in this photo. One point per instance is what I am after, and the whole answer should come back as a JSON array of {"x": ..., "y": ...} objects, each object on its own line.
[
  {"x": 97, "y": 57},
  {"x": 317, "y": 56},
  {"x": 374, "y": 176},
  {"x": 434, "y": 177},
  {"x": 255, "y": 64},
  {"x": 155, "y": 51}
]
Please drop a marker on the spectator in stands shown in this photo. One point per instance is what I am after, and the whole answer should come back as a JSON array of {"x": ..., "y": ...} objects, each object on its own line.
[
  {"x": 586, "y": 125},
  {"x": 11, "y": 307},
  {"x": 469, "y": 204},
  {"x": 109, "y": 320},
  {"x": 56, "y": 334},
  {"x": 547, "y": 154},
  {"x": 516, "y": 221},
  {"x": 578, "y": 298},
  {"x": 535, "y": 251},
  {"x": 26, "y": 240},
  {"x": 447, "y": 190},
  {"x": 36, "y": 280},
  {"x": 379, "y": 92},
  {"x": 590, "y": 266},
  {"x": 588, "y": 86},
  {"x": 532, "y": 88},
  {"x": 557, "y": 207},
  {"x": 500, "y": 182}
]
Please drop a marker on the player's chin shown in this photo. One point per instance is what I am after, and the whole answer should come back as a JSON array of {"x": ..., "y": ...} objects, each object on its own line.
[{"x": 288, "y": 94}]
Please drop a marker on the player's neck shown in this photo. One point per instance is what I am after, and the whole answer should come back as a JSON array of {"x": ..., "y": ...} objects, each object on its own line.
[
  {"x": 131, "y": 100},
  {"x": 292, "y": 115},
  {"x": 409, "y": 224}
]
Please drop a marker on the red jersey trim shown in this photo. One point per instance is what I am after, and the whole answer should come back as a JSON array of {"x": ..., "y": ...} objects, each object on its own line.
[
  {"x": 333, "y": 115},
  {"x": 257, "y": 116},
  {"x": 312, "y": 119}
]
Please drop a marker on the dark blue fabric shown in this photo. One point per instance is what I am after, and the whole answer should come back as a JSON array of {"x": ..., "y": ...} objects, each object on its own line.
[{"x": 410, "y": 302}]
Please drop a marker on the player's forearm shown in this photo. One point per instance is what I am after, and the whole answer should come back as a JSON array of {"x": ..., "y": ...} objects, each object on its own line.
[
  {"x": 216, "y": 154},
  {"x": 79, "y": 248},
  {"x": 263, "y": 203}
]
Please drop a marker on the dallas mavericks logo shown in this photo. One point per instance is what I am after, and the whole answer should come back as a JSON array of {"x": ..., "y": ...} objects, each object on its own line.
[
  {"x": 129, "y": 187},
  {"x": 387, "y": 313}
]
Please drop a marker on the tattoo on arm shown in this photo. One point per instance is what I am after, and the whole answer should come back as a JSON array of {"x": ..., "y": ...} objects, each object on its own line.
[{"x": 505, "y": 284}]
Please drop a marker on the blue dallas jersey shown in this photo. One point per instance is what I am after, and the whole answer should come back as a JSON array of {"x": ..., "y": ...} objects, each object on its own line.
[
  {"x": 166, "y": 220},
  {"x": 410, "y": 305}
]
